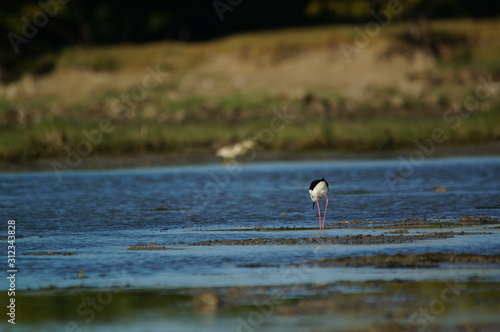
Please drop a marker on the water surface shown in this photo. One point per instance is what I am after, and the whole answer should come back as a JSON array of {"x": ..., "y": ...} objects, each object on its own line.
[{"x": 94, "y": 216}]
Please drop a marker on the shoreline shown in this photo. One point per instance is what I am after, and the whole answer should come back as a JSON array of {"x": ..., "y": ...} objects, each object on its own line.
[{"x": 198, "y": 157}]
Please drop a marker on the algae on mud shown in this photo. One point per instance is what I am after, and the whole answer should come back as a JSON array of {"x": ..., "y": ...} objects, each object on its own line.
[
  {"x": 348, "y": 239},
  {"x": 431, "y": 259},
  {"x": 147, "y": 246}
]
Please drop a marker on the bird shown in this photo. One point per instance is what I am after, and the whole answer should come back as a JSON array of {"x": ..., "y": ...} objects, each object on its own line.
[
  {"x": 230, "y": 152},
  {"x": 317, "y": 190}
]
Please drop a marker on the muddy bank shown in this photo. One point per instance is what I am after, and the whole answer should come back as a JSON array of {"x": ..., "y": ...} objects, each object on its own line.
[
  {"x": 343, "y": 306},
  {"x": 147, "y": 246},
  {"x": 348, "y": 239},
  {"x": 407, "y": 223},
  {"x": 52, "y": 253},
  {"x": 396, "y": 232},
  {"x": 410, "y": 260},
  {"x": 193, "y": 157}
]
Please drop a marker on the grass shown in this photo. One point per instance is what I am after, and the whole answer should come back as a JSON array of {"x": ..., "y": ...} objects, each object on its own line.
[
  {"x": 225, "y": 91},
  {"x": 50, "y": 139}
]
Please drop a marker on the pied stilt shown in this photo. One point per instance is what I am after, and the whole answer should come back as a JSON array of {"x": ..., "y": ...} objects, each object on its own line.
[{"x": 317, "y": 190}]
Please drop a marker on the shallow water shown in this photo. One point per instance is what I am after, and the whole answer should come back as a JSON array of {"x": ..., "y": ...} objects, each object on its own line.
[{"x": 97, "y": 215}]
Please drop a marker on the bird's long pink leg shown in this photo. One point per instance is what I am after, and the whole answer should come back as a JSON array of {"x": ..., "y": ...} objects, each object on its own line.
[
  {"x": 324, "y": 214},
  {"x": 319, "y": 213}
]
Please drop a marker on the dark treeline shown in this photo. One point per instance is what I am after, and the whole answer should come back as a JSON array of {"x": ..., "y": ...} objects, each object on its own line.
[{"x": 30, "y": 29}]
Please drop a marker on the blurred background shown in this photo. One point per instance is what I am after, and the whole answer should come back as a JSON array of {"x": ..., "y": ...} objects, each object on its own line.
[{"x": 171, "y": 77}]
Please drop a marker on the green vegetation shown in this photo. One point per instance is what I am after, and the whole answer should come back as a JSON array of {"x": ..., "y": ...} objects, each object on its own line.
[{"x": 391, "y": 96}]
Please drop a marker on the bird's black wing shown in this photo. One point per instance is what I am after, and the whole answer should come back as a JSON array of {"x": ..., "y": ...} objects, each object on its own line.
[{"x": 313, "y": 184}]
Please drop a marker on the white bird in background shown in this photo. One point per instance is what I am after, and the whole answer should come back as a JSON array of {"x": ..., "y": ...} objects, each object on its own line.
[
  {"x": 230, "y": 152},
  {"x": 317, "y": 190}
]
